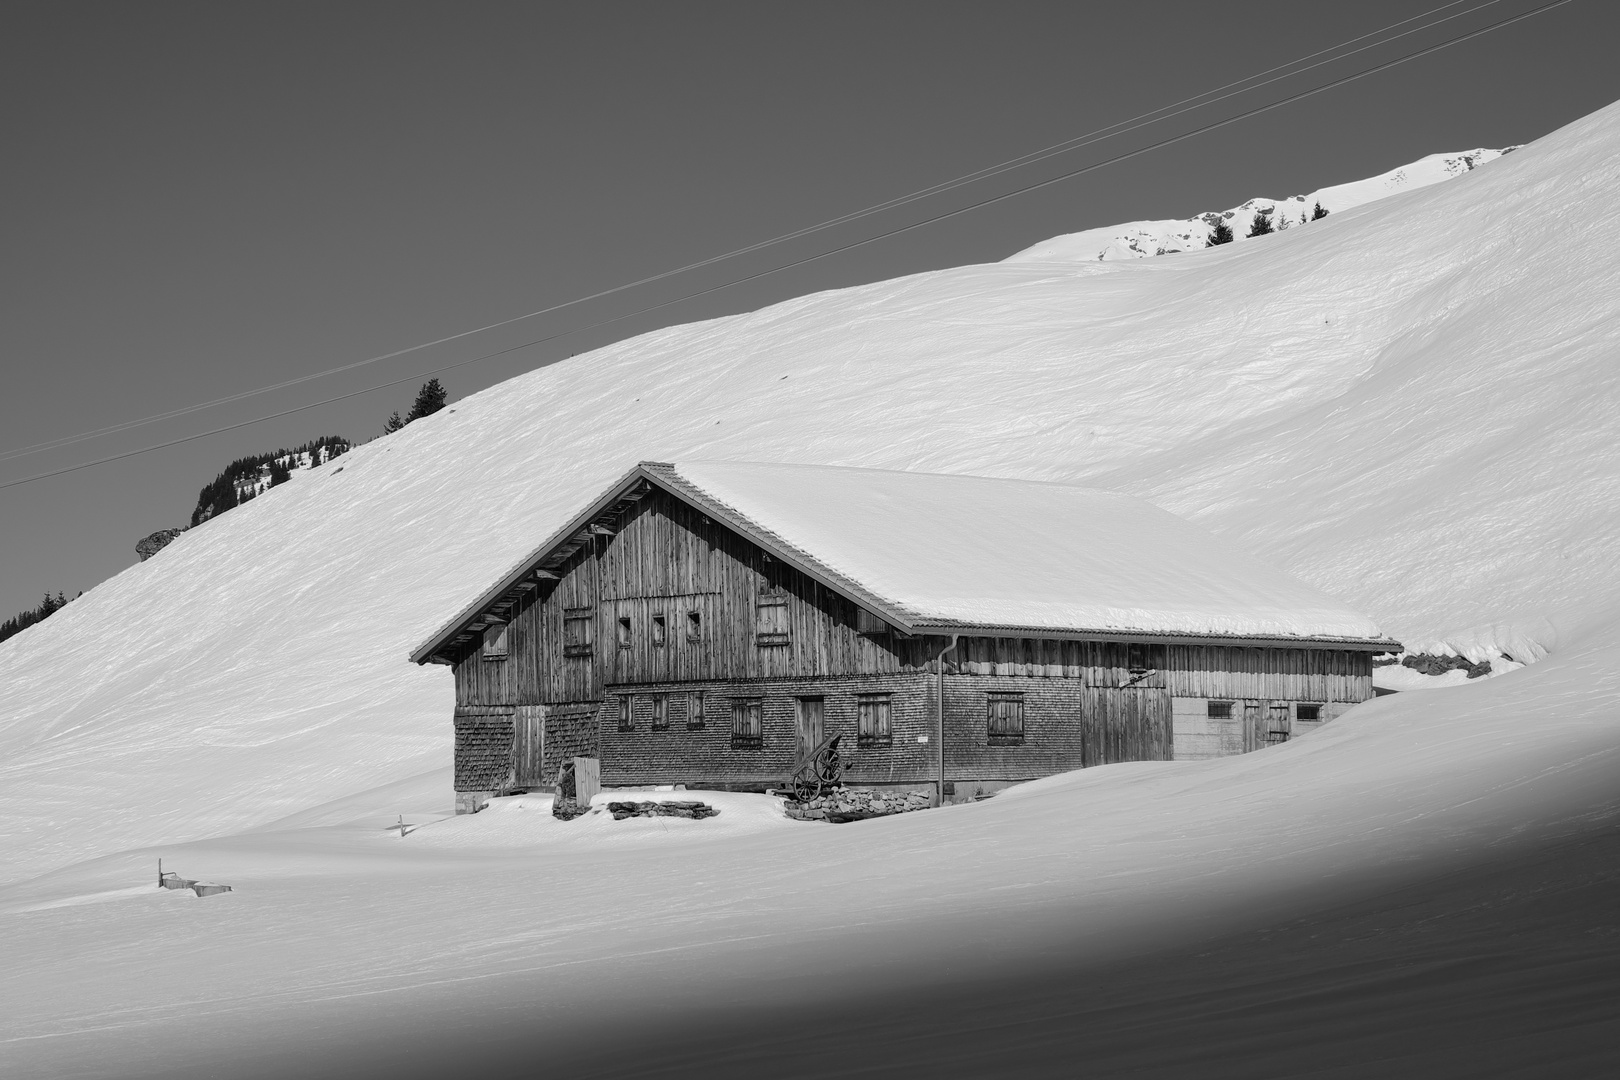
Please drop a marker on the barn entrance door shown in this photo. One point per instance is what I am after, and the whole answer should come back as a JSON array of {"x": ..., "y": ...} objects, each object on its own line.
[
  {"x": 1265, "y": 723},
  {"x": 528, "y": 745},
  {"x": 812, "y": 723}
]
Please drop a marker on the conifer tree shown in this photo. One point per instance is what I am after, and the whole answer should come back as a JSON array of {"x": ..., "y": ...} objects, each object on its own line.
[
  {"x": 429, "y": 400},
  {"x": 1319, "y": 213},
  {"x": 279, "y": 473},
  {"x": 1220, "y": 233},
  {"x": 1261, "y": 226},
  {"x": 393, "y": 424}
]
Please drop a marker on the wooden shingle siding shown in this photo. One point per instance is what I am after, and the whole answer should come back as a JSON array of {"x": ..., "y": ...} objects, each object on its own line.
[
  {"x": 704, "y": 757},
  {"x": 484, "y": 740}
]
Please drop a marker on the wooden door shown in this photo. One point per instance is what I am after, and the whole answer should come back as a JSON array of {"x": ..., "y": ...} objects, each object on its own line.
[
  {"x": 1256, "y": 724},
  {"x": 812, "y": 723},
  {"x": 1281, "y": 724},
  {"x": 528, "y": 745}
]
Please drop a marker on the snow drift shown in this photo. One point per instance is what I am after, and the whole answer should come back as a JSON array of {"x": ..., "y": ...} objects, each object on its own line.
[{"x": 1410, "y": 405}]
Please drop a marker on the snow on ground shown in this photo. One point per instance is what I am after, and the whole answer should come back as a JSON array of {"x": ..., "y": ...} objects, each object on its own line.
[
  {"x": 1145, "y": 239},
  {"x": 1410, "y": 405}
]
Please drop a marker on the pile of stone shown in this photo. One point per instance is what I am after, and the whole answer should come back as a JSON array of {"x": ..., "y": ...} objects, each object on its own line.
[
  {"x": 567, "y": 809},
  {"x": 844, "y": 804},
  {"x": 699, "y": 810}
]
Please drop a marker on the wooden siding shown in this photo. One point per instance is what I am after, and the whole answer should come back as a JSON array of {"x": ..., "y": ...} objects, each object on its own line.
[{"x": 1229, "y": 672}]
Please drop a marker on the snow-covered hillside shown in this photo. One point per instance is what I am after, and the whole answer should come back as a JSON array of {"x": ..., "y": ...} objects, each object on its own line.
[
  {"x": 1144, "y": 239},
  {"x": 1409, "y": 404}
]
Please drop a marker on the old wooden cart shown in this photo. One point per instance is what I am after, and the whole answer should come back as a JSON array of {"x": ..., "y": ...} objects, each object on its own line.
[{"x": 815, "y": 770}]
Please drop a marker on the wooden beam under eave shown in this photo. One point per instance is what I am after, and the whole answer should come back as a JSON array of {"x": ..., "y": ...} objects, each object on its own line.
[{"x": 602, "y": 530}]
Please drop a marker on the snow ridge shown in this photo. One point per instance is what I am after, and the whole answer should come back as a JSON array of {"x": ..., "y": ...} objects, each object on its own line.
[{"x": 1145, "y": 239}]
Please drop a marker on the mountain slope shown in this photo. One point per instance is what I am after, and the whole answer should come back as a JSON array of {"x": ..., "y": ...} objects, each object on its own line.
[{"x": 1409, "y": 404}]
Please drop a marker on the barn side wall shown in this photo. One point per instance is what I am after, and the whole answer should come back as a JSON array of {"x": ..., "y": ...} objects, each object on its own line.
[{"x": 704, "y": 757}]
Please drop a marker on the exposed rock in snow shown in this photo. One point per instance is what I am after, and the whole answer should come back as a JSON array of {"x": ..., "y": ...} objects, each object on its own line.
[{"x": 1144, "y": 239}]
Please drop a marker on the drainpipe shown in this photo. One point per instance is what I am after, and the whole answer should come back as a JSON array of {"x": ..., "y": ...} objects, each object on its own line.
[{"x": 939, "y": 664}]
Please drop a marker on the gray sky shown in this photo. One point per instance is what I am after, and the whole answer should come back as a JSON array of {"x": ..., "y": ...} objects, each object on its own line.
[{"x": 202, "y": 199}]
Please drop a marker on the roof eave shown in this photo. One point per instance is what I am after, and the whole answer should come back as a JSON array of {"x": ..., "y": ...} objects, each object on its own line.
[{"x": 1155, "y": 637}]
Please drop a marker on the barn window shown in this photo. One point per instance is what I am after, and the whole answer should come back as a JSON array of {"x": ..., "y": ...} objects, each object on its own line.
[
  {"x": 746, "y": 733},
  {"x": 627, "y": 718},
  {"x": 1219, "y": 710},
  {"x": 694, "y": 626},
  {"x": 660, "y": 712},
  {"x": 874, "y": 711},
  {"x": 624, "y": 632},
  {"x": 771, "y": 618},
  {"x": 660, "y": 631},
  {"x": 1303, "y": 711},
  {"x": 577, "y": 632},
  {"x": 495, "y": 642},
  {"x": 1005, "y": 713},
  {"x": 694, "y": 711}
]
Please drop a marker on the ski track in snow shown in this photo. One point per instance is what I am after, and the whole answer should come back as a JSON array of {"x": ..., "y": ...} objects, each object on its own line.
[{"x": 1411, "y": 405}]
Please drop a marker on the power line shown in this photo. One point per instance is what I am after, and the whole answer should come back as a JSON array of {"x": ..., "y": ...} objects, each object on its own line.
[
  {"x": 1204, "y": 129},
  {"x": 1197, "y": 101}
]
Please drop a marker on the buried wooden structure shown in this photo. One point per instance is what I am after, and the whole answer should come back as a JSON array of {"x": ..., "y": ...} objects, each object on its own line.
[{"x": 682, "y": 637}]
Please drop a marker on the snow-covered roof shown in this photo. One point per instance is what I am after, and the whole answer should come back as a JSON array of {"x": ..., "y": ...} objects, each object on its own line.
[{"x": 943, "y": 553}]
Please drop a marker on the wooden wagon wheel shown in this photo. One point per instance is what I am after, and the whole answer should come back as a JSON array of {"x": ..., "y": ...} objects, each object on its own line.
[{"x": 806, "y": 785}]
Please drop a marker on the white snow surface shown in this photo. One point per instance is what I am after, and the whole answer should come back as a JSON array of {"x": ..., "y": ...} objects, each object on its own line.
[
  {"x": 1410, "y": 405},
  {"x": 1008, "y": 552},
  {"x": 1145, "y": 239}
]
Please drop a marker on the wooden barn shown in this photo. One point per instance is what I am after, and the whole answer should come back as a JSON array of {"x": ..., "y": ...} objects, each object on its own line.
[{"x": 704, "y": 623}]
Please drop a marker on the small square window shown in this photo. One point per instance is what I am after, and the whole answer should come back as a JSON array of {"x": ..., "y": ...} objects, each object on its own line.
[
  {"x": 577, "y": 632},
  {"x": 660, "y": 712},
  {"x": 1005, "y": 716},
  {"x": 1307, "y": 712},
  {"x": 694, "y": 626},
  {"x": 624, "y": 632},
  {"x": 694, "y": 711},
  {"x": 746, "y": 732},
  {"x": 771, "y": 618},
  {"x": 660, "y": 631},
  {"x": 1219, "y": 710},
  {"x": 874, "y": 712},
  {"x": 495, "y": 642},
  {"x": 627, "y": 719}
]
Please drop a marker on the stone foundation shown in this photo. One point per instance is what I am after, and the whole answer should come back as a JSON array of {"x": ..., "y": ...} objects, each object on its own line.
[{"x": 470, "y": 802}]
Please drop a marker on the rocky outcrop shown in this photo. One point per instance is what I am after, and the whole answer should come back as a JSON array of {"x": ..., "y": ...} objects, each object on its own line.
[{"x": 155, "y": 543}]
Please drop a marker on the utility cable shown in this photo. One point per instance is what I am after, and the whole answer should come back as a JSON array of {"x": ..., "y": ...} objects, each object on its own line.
[
  {"x": 1154, "y": 116},
  {"x": 1212, "y": 126}
]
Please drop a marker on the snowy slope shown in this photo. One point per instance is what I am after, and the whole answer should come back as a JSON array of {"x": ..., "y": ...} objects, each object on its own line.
[
  {"x": 1410, "y": 405},
  {"x": 1144, "y": 239}
]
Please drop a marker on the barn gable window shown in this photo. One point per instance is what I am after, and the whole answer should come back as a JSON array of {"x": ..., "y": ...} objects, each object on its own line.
[
  {"x": 495, "y": 641},
  {"x": 1005, "y": 714},
  {"x": 627, "y": 717},
  {"x": 624, "y": 632},
  {"x": 660, "y": 631},
  {"x": 771, "y": 617},
  {"x": 694, "y": 711},
  {"x": 746, "y": 729},
  {"x": 1220, "y": 710},
  {"x": 694, "y": 626},
  {"x": 1306, "y": 712},
  {"x": 660, "y": 712},
  {"x": 874, "y": 711},
  {"x": 577, "y": 631}
]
